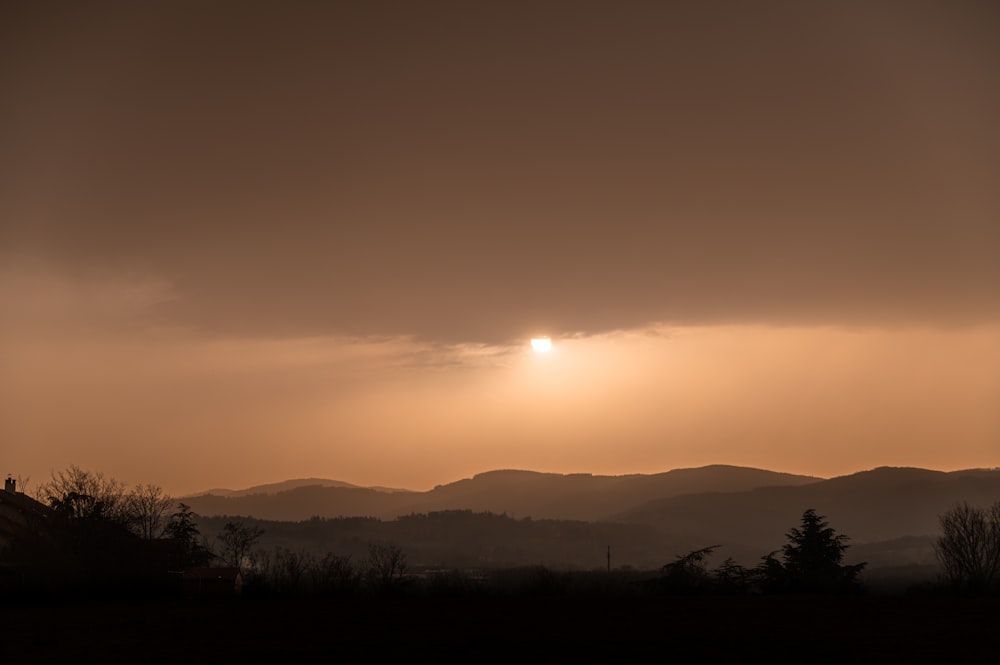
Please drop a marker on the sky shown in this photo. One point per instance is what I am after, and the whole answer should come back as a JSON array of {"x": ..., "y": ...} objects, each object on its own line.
[{"x": 248, "y": 241}]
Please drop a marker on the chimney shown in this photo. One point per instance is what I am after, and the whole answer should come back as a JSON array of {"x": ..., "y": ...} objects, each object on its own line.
[{"x": 10, "y": 485}]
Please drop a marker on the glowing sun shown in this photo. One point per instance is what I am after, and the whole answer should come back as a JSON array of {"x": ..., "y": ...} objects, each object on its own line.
[{"x": 541, "y": 344}]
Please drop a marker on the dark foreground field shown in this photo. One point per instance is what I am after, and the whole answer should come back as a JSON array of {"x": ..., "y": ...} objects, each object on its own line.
[{"x": 505, "y": 630}]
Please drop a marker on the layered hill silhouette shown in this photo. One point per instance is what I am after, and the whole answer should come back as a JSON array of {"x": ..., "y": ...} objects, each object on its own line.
[
  {"x": 516, "y": 493},
  {"x": 890, "y": 514},
  {"x": 887, "y": 503}
]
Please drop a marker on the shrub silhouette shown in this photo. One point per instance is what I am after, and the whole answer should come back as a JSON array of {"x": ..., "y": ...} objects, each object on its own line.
[
  {"x": 732, "y": 578},
  {"x": 687, "y": 574}
]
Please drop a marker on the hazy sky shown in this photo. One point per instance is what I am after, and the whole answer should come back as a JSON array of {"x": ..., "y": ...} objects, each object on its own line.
[{"x": 246, "y": 241}]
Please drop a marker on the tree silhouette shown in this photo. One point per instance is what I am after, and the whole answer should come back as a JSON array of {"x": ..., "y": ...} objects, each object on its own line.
[
  {"x": 969, "y": 547},
  {"x": 770, "y": 574},
  {"x": 687, "y": 574},
  {"x": 91, "y": 538},
  {"x": 238, "y": 539},
  {"x": 732, "y": 578},
  {"x": 811, "y": 561},
  {"x": 334, "y": 575},
  {"x": 182, "y": 526},
  {"x": 77, "y": 493},
  {"x": 386, "y": 566},
  {"x": 183, "y": 530},
  {"x": 147, "y": 505}
]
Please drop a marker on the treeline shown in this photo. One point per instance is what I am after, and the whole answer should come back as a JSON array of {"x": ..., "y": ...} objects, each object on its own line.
[
  {"x": 472, "y": 540},
  {"x": 811, "y": 562}
]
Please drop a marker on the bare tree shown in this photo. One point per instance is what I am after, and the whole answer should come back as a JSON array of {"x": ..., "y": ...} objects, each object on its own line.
[
  {"x": 386, "y": 566},
  {"x": 23, "y": 482},
  {"x": 969, "y": 546},
  {"x": 334, "y": 574},
  {"x": 283, "y": 569},
  {"x": 79, "y": 493},
  {"x": 237, "y": 540},
  {"x": 147, "y": 507}
]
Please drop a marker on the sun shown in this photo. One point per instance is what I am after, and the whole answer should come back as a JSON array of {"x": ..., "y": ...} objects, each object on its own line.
[{"x": 541, "y": 344}]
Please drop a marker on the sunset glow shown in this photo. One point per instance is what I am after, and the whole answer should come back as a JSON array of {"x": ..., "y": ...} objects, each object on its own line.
[
  {"x": 246, "y": 242},
  {"x": 541, "y": 344}
]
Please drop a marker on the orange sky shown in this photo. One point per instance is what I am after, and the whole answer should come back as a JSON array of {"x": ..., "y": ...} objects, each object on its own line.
[{"x": 241, "y": 243}]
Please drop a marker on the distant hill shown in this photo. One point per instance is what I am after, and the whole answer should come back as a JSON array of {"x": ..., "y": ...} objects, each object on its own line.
[
  {"x": 890, "y": 515},
  {"x": 274, "y": 488},
  {"x": 588, "y": 497},
  {"x": 517, "y": 493},
  {"x": 878, "y": 505}
]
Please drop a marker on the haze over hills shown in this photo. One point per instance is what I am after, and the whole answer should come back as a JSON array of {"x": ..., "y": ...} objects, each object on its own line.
[
  {"x": 882, "y": 504},
  {"x": 517, "y": 493},
  {"x": 890, "y": 514}
]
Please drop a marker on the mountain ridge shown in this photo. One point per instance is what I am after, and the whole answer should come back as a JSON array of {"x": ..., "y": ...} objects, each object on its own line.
[
  {"x": 887, "y": 513},
  {"x": 293, "y": 483},
  {"x": 522, "y": 493},
  {"x": 868, "y": 506}
]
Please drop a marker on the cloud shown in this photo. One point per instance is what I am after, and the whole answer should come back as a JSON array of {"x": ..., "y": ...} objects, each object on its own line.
[
  {"x": 40, "y": 296},
  {"x": 331, "y": 171}
]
